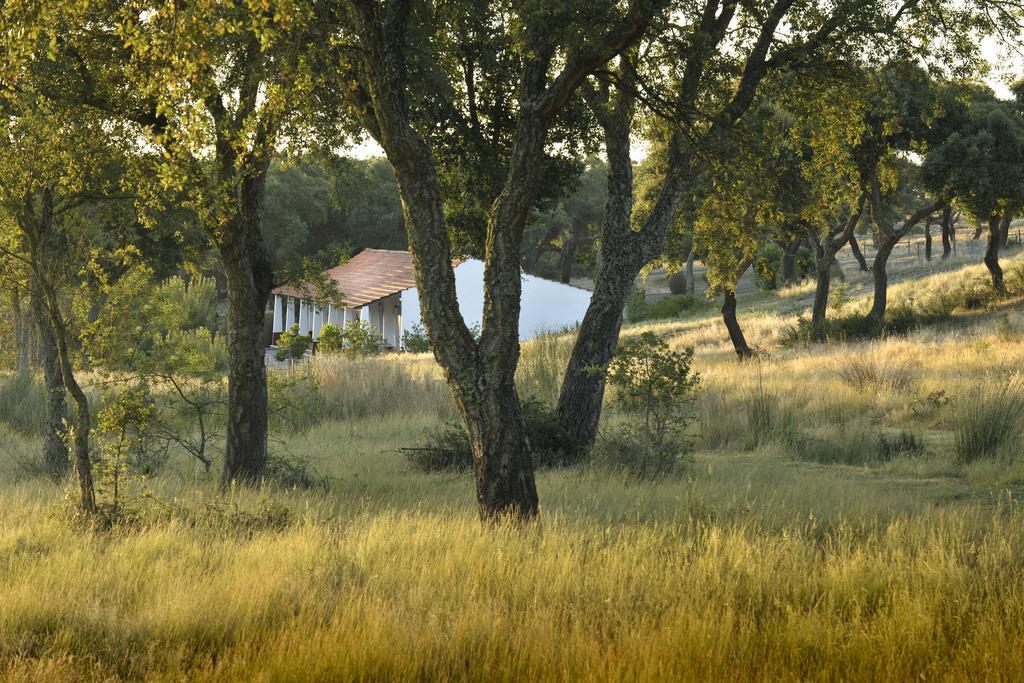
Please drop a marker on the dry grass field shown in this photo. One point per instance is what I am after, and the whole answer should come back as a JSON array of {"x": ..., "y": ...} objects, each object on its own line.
[{"x": 837, "y": 523}]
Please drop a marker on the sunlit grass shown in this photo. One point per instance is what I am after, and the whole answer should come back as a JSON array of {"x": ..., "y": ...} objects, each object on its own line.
[{"x": 760, "y": 563}]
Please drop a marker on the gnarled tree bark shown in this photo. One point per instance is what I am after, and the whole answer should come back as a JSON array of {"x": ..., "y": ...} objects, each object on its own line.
[
  {"x": 55, "y": 452},
  {"x": 992, "y": 254}
]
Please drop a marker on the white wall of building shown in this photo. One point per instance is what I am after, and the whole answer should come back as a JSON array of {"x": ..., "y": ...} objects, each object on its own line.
[{"x": 547, "y": 306}]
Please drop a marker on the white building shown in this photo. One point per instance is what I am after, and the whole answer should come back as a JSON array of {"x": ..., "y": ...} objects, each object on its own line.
[{"x": 379, "y": 287}]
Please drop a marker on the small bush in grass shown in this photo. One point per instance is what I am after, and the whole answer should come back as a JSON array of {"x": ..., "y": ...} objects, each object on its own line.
[
  {"x": 639, "y": 309},
  {"x": 447, "y": 449},
  {"x": 902, "y": 445},
  {"x": 291, "y": 345},
  {"x": 293, "y": 472},
  {"x": 415, "y": 340},
  {"x": 871, "y": 374},
  {"x": 987, "y": 419},
  {"x": 654, "y": 386},
  {"x": 331, "y": 339},
  {"x": 768, "y": 420}
]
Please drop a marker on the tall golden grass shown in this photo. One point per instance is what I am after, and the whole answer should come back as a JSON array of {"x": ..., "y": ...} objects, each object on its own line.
[{"x": 757, "y": 565}]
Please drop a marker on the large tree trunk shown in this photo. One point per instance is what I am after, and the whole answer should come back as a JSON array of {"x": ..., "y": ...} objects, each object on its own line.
[
  {"x": 928, "y": 240},
  {"x": 881, "y": 279},
  {"x": 566, "y": 259},
  {"x": 582, "y": 393},
  {"x": 789, "y": 261},
  {"x": 947, "y": 232},
  {"x": 22, "y": 333},
  {"x": 691, "y": 281},
  {"x": 55, "y": 452},
  {"x": 36, "y": 224},
  {"x": 823, "y": 282},
  {"x": 1004, "y": 230},
  {"x": 739, "y": 342},
  {"x": 992, "y": 255},
  {"x": 857, "y": 254},
  {"x": 249, "y": 276}
]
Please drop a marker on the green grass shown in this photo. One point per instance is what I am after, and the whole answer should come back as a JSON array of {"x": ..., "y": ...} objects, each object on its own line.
[{"x": 787, "y": 550}]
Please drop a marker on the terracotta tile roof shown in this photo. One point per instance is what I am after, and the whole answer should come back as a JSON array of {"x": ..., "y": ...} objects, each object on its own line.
[{"x": 370, "y": 275}]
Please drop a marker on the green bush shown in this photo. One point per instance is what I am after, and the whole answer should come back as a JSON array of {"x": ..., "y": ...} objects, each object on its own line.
[
  {"x": 987, "y": 420},
  {"x": 639, "y": 309},
  {"x": 415, "y": 340},
  {"x": 292, "y": 345},
  {"x": 654, "y": 386},
  {"x": 627, "y": 449},
  {"x": 361, "y": 339},
  {"x": 447, "y": 448},
  {"x": 330, "y": 339}
]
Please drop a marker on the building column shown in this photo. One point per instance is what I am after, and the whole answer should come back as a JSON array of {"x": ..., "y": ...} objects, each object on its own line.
[{"x": 278, "y": 315}]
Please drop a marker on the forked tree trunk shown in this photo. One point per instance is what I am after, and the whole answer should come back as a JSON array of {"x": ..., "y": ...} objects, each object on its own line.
[
  {"x": 881, "y": 279},
  {"x": 992, "y": 255},
  {"x": 857, "y": 254},
  {"x": 947, "y": 232},
  {"x": 55, "y": 452}
]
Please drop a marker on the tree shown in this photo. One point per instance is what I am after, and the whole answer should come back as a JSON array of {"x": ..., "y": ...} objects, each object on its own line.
[
  {"x": 716, "y": 72},
  {"x": 548, "y": 51},
  {"x": 981, "y": 168},
  {"x": 218, "y": 87}
]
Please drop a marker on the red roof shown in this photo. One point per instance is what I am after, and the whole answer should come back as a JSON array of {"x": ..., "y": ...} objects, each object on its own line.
[{"x": 370, "y": 275}]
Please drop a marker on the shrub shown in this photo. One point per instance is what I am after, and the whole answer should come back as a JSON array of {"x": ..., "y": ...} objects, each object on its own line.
[
  {"x": 330, "y": 339},
  {"x": 903, "y": 445},
  {"x": 361, "y": 339},
  {"x": 869, "y": 374},
  {"x": 292, "y": 345},
  {"x": 447, "y": 448},
  {"x": 654, "y": 386},
  {"x": 987, "y": 420},
  {"x": 627, "y": 449},
  {"x": 415, "y": 340},
  {"x": 292, "y": 472},
  {"x": 639, "y": 309}
]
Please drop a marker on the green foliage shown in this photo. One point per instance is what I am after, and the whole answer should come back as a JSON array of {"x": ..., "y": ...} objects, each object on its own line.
[
  {"x": 838, "y": 297},
  {"x": 360, "y": 338},
  {"x": 768, "y": 265},
  {"x": 415, "y": 339},
  {"x": 123, "y": 428},
  {"x": 655, "y": 387},
  {"x": 291, "y": 345},
  {"x": 639, "y": 309},
  {"x": 330, "y": 339},
  {"x": 296, "y": 402}
]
